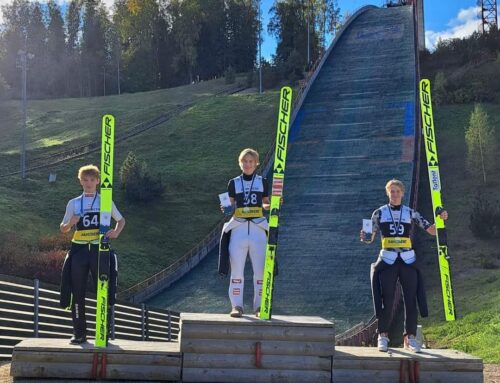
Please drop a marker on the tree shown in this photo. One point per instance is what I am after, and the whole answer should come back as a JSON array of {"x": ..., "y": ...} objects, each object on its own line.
[
  {"x": 74, "y": 85},
  {"x": 440, "y": 93},
  {"x": 242, "y": 33},
  {"x": 138, "y": 183},
  {"x": 481, "y": 144},
  {"x": 186, "y": 26},
  {"x": 94, "y": 47},
  {"x": 56, "y": 49}
]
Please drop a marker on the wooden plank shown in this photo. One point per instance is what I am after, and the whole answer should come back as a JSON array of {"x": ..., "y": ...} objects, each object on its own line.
[
  {"x": 385, "y": 376},
  {"x": 350, "y": 352},
  {"x": 235, "y": 331},
  {"x": 45, "y": 357},
  {"x": 253, "y": 376},
  {"x": 251, "y": 320},
  {"x": 215, "y": 346},
  {"x": 246, "y": 361},
  {"x": 115, "y": 346},
  {"x": 425, "y": 365}
]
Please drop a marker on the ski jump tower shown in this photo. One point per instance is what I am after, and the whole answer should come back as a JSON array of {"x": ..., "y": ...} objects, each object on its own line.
[{"x": 489, "y": 14}]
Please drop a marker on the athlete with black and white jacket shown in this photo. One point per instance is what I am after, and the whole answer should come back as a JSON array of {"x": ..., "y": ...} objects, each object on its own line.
[{"x": 396, "y": 262}]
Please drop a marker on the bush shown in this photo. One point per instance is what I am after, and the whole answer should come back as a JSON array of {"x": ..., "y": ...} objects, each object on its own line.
[
  {"x": 485, "y": 218},
  {"x": 44, "y": 262},
  {"x": 139, "y": 184}
]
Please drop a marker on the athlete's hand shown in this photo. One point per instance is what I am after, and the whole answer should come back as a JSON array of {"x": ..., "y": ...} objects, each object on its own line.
[
  {"x": 112, "y": 234},
  {"x": 444, "y": 215}
]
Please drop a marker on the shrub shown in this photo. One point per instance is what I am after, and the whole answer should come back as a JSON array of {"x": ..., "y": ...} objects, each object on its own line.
[
  {"x": 139, "y": 184},
  {"x": 484, "y": 218}
]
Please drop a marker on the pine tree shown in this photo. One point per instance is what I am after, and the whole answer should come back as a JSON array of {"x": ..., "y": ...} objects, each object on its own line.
[{"x": 481, "y": 144}]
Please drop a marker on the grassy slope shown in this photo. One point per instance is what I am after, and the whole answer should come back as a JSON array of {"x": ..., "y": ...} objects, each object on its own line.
[
  {"x": 476, "y": 290},
  {"x": 195, "y": 154}
]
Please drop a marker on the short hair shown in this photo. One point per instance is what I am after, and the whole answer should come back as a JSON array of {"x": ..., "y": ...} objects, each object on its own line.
[
  {"x": 395, "y": 182},
  {"x": 89, "y": 171},
  {"x": 250, "y": 151}
]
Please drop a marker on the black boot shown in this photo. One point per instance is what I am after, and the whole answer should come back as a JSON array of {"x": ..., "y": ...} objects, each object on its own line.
[{"x": 78, "y": 339}]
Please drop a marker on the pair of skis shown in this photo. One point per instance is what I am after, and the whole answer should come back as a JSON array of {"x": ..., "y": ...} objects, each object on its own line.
[
  {"x": 107, "y": 157},
  {"x": 435, "y": 187}
]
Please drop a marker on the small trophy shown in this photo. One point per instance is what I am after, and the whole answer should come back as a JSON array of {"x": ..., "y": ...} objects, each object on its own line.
[
  {"x": 367, "y": 230},
  {"x": 225, "y": 203}
]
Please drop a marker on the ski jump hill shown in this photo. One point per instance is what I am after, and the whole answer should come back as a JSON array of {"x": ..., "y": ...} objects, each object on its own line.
[{"x": 353, "y": 131}]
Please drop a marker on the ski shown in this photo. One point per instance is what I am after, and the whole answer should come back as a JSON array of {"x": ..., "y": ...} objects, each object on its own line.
[
  {"x": 285, "y": 108},
  {"x": 435, "y": 188},
  {"x": 107, "y": 153}
]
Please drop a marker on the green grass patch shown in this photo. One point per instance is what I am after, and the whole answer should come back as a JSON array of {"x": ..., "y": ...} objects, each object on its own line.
[{"x": 195, "y": 154}]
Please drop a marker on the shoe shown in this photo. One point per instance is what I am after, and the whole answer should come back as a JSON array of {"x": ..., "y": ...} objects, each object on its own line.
[
  {"x": 236, "y": 312},
  {"x": 257, "y": 312},
  {"x": 383, "y": 343},
  {"x": 78, "y": 339},
  {"x": 411, "y": 343}
]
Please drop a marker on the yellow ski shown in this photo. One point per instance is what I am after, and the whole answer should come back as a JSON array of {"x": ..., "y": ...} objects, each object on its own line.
[
  {"x": 285, "y": 109},
  {"x": 435, "y": 185},
  {"x": 107, "y": 154}
]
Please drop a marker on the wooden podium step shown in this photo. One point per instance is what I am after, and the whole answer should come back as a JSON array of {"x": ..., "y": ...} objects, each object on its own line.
[
  {"x": 367, "y": 364},
  {"x": 122, "y": 359}
]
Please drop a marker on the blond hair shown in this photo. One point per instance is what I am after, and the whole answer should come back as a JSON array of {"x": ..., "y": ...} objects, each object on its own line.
[
  {"x": 251, "y": 152},
  {"x": 394, "y": 182},
  {"x": 88, "y": 171}
]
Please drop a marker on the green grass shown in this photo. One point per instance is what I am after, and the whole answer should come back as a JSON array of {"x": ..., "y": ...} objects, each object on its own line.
[
  {"x": 476, "y": 290},
  {"x": 195, "y": 154}
]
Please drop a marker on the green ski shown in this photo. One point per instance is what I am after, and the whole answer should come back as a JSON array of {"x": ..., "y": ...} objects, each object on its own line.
[
  {"x": 435, "y": 186},
  {"x": 107, "y": 154},
  {"x": 285, "y": 108}
]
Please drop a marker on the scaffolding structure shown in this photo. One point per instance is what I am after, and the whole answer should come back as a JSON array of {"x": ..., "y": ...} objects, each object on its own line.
[{"x": 489, "y": 14}]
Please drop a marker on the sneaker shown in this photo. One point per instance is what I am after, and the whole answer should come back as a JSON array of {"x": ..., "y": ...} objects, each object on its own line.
[
  {"x": 411, "y": 343},
  {"x": 236, "y": 312},
  {"x": 78, "y": 339},
  {"x": 383, "y": 343},
  {"x": 257, "y": 312}
]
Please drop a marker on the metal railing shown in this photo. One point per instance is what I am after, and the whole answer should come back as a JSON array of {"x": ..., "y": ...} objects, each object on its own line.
[{"x": 31, "y": 309}]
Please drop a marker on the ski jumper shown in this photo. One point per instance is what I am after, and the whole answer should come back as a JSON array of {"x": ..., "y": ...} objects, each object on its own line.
[
  {"x": 248, "y": 235},
  {"x": 83, "y": 256},
  {"x": 396, "y": 262}
]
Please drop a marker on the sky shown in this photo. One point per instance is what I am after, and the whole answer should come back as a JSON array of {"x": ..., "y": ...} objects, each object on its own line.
[{"x": 442, "y": 19}]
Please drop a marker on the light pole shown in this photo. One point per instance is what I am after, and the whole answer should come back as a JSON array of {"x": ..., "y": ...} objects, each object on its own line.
[{"x": 23, "y": 64}]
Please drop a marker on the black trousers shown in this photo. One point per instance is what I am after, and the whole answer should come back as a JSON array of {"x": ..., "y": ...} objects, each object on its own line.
[
  {"x": 388, "y": 275},
  {"x": 80, "y": 260}
]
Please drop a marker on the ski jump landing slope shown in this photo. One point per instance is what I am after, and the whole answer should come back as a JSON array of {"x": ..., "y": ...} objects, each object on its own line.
[{"x": 354, "y": 131}]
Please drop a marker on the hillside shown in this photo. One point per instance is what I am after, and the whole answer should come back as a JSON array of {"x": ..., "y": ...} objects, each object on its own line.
[
  {"x": 475, "y": 263},
  {"x": 194, "y": 153}
]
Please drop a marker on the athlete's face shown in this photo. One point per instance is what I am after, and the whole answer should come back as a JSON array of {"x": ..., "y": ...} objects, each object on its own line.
[
  {"x": 395, "y": 195},
  {"x": 89, "y": 183},
  {"x": 248, "y": 164}
]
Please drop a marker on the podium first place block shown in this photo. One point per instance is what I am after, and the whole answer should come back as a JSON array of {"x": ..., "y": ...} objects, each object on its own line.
[{"x": 218, "y": 348}]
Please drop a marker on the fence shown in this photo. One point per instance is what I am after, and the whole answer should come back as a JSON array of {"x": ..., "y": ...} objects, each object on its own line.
[{"x": 31, "y": 309}]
